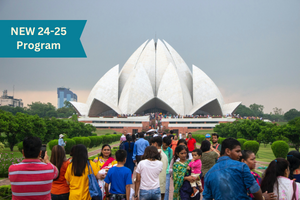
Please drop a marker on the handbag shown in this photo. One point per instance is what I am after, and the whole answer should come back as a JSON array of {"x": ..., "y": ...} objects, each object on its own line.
[{"x": 94, "y": 188}]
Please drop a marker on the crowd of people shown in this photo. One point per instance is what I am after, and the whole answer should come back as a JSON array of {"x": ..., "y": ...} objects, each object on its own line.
[{"x": 145, "y": 166}]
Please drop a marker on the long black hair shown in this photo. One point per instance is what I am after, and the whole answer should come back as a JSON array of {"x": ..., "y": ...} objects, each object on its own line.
[
  {"x": 79, "y": 161},
  {"x": 58, "y": 156},
  {"x": 129, "y": 140},
  {"x": 276, "y": 168},
  {"x": 294, "y": 159},
  {"x": 105, "y": 145},
  {"x": 178, "y": 150}
]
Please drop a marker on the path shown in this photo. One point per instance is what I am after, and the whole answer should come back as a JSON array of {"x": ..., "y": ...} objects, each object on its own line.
[{"x": 92, "y": 153}]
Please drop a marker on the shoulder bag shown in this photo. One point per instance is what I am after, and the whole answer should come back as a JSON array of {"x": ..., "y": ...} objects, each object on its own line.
[{"x": 94, "y": 188}]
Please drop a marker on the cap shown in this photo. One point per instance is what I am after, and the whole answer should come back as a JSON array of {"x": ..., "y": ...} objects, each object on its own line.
[
  {"x": 207, "y": 135},
  {"x": 61, "y": 136}
]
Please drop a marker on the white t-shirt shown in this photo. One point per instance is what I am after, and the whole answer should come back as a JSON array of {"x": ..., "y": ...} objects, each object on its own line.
[
  {"x": 149, "y": 171},
  {"x": 286, "y": 188}
]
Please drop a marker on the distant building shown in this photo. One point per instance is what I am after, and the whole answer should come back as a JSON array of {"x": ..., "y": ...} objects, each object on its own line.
[
  {"x": 6, "y": 100},
  {"x": 64, "y": 94}
]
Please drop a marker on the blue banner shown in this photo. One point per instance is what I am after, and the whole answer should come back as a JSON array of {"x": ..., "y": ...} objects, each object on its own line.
[{"x": 41, "y": 38}]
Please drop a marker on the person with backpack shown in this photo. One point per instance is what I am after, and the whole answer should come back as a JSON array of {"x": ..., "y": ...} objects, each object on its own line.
[{"x": 169, "y": 153}]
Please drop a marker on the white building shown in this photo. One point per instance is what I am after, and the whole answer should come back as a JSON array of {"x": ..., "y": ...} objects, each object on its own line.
[{"x": 6, "y": 100}]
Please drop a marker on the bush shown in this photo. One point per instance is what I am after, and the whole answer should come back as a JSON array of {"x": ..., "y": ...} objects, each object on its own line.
[
  {"x": 78, "y": 140},
  {"x": 5, "y": 192},
  {"x": 99, "y": 140},
  {"x": 20, "y": 146},
  {"x": 93, "y": 141},
  {"x": 242, "y": 141},
  {"x": 251, "y": 145},
  {"x": 199, "y": 138},
  {"x": 280, "y": 149},
  {"x": 220, "y": 140},
  {"x": 86, "y": 141},
  {"x": 69, "y": 145},
  {"x": 94, "y": 134},
  {"x": 6, "y": 160},
  {"x": 52, "y": 143}
]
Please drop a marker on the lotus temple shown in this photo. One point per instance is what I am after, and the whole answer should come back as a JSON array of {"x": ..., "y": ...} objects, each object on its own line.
[{"x": 155, "y": 79}]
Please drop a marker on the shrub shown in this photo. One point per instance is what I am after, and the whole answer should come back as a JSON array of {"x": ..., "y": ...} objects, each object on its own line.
[
  {"x": 93, "y": 141},
  {"x": 251, "y": 145},
  {"x": 20, "y": 146},
  {"x": 117, "y": 148},
  {"x": 93, "y": 157},
  {"x": 1, "y": 146},
  {"x": 52, "y": 143},
  {"x": 107, "y": 133},
  {"x": 280, "y": 149},
  {"x": 220, "y": 140},
  {"x": 86, "y": 141},
  {"x": 78, "y": 140},
  {"x": 199, "y": 138},
  {"x": 242, "y": 141},
  {"x": 5, "y": 192},
  {"x": 69, "y": 145},
  {"x": 94, "y": 134},
  {"x": 6, "y": 160},
  {"x": 99, "y": 140}
]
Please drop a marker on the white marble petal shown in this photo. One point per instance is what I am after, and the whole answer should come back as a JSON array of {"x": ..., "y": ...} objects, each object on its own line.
[
  {"x": 204, "y": 89},
  {"x": 129, "y": 66},
  {"x": 106, "y": 89},
  {"x": 230, "y": 107},
  {"x": 136, "y": 92},
  {"x": 81, "y": 108}
]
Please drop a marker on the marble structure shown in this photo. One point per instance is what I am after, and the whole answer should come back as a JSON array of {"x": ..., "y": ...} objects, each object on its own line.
[{"x": 155, "y": 78}]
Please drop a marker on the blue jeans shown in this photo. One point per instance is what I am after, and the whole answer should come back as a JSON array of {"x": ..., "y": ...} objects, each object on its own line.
[
  {"x": 153, "y": 194},
  {"x": 167, "y": 187}
]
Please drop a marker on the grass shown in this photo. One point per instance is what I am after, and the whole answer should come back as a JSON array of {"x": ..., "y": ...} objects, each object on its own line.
[
  {"x": 203, "y": 132},
  {"x": 265, "y": 154},
  {"x": 104, "y": 131}
]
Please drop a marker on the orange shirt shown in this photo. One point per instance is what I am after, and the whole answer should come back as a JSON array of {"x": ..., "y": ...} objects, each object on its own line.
[
  {"x": 60, "y": 186},
  {"x": 174, "y": 145}
]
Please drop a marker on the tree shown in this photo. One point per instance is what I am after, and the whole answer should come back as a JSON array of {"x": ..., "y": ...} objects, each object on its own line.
[
  {"x": 257, "y": 109},
  {"x": 42, "y": 109},
  {"x": 292, "y": 132},
  {"x": 291, "y": 114},
  {"x": 243, "y": 110},
  {"x": 11, "y": 129},
  {"x": 278, "y": 111}
]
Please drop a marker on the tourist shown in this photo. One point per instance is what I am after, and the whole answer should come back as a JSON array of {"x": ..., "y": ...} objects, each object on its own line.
[
  {"x": 181, "y": 177},
  {"x": 77, "y": 174},
  {"x": 294, "y": 159},
  {"x": 60, "y": 189},
  {"x": 174, "y": 142},
  {"x": 123, "y": 137},
  {"x": 191, "y": 143},
  {"x": 169, "y": 152},
  {"x": 229, "y": 178},
  {"x": 207, "y": 137},
  {"x": 157, "y": 142},
  {"x": 208, "y": 159},
  {"x": 128, "y": 147},
  {"x": 180, "y": 135},
  {"x": 61, "y": 141},
  {"x": 29, "y": 171},
  {"x": 139, "y": 148},
  {"x": 216, "y": 145},
  {"x": 119, "y": 178},
  {"x": 195, "y": 166},
  {"x": 147, "y": 175},
  {"x": 276, "y": 180}
]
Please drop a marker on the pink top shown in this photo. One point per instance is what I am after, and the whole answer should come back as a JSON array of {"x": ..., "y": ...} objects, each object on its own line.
[{"x": 196, "y": 166}]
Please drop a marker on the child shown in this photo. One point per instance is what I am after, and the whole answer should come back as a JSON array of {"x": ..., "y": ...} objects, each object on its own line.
[
  {"x": 195, "y": 166},
  {"x": 119, "y": 177}
]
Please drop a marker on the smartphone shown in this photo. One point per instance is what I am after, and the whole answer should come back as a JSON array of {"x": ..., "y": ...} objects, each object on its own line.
[{"x": 43, "y": 148}]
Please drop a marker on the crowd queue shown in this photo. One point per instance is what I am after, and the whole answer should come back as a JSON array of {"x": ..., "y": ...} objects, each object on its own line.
[{"x": 215, "y": 171}]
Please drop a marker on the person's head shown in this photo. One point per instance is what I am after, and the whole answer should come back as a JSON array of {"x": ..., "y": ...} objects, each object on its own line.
[
  {"x": 294, "y": 159},
  {"x": 190, "y": 135},
  {"x": 156, "y": 141},
  {"x": 166, "y": 142},
  {"x": 171, "y": 132},
  {"x": 129, "y": 138},
  {"x": 175, "y": 137},
  {"x": 58, "y": 156},
  {"x": 205, "y": 146},
  {"x": 181, "y": 152},
  {"x": 106, "y": 151},
  {"x": 151, "y": 153},
  {"x": 278, "y": 167},
  {"x": 248, "y": 157},
  {"x": 61, "y": 136},
  {"x": 141, "y": 135},
  {"x": 32, "y": 147},
  {"x": 121, "y": 156},
  {"x": 125, "y": 133},
  {"x": 79, "y": 160},
  {"x": 197, "y": 153},
  {"x": 207, "y": 137},
  {"x": 214, "y": 138},
  {"x": 72, "y": 150},
  {"x": 182, "y": 142},
  {"x": 232, "y": 148}
]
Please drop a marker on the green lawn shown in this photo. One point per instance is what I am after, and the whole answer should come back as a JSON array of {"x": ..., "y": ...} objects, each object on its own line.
[
  {"x": 104, "y": 131},
  {"x": 203, "y": 132},
  {"x": 265, "y": 154}
]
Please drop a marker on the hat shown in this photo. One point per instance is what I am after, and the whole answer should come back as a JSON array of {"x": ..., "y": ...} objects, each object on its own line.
[
  {"x": 61, "y": 136},
  {"x": 207, "y": 135}
]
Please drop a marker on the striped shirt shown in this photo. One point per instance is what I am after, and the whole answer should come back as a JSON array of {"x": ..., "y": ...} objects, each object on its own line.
[{"x": 31, "y": 179}]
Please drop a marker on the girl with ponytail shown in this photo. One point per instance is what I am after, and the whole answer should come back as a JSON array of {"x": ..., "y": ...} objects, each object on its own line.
[{"x": 294, "y": 159}]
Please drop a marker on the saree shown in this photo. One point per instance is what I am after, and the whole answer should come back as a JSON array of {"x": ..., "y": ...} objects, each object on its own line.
[{"x": 179, "y": 170}]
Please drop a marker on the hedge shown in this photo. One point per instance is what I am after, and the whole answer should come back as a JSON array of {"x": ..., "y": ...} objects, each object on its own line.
[
  {"x": 93, "y": 141},
  {"x": 52, "y": 143},
  {"x": 242, "y": 141},
  {"x": 251, "y": 145},
  {"x": 199, "y": 138},
  {"x": 220, "y": 140},
  {"x": 78, "y": 140},
  {"x": 69, "y": 145},
  {"x": 280, "y": 149},
  {"x": 5, "y": 192},
  {"x": 86, "y": 141}
]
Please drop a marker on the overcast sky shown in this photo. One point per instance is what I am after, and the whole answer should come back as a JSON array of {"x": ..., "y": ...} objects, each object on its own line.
[{"x": 250, "y": 49}]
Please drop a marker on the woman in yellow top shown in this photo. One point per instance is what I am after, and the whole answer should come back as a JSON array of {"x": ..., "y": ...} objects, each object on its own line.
[
  {"x": 104, "y": 163},
  {"x": 77, "y": 174}
]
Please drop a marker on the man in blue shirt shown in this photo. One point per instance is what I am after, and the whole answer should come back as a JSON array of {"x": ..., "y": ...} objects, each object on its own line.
[
  {"x": 230, "y": 179},
  {"x": 119, "y": 177},
  {"x": 139, "y": 148}
]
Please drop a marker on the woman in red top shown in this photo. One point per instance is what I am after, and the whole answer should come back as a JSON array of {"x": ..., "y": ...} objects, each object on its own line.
[{"x": 60, "y": 188}]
